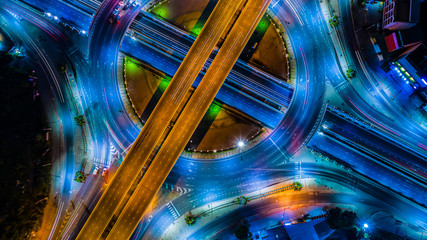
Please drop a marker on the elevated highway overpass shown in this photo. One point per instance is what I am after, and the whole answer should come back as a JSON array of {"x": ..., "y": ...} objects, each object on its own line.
[
  {"x": 138, "y": 156},
  {"x": 188, "y": 120}
]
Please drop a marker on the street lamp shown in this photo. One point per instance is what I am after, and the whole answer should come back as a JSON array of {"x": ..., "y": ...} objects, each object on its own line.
[
  {"x": 365, "y": 225},
  {"x": 240, "y": 144}
]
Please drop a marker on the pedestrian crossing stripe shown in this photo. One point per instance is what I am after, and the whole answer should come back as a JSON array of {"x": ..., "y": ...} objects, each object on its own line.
[
  {"x": 173, "y": 210},
  {"x": 342, "y": 86}
]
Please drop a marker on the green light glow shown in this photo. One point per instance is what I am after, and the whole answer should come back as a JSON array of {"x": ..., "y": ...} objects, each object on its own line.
[
  {"x": 214, "y": 110},
  {"x": 162, "y": 10},
  {"x": 196, "y": 30},
  {"x": 130, "y": 66},
  {"x": 263, "y": 24},
  {"x": 164, "y": 83}
]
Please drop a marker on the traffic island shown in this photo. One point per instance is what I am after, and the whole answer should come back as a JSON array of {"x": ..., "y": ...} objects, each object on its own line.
[
  {"x": 220, "y": 127},
  {"x": 265, "y": 49},
  {"x": 270, "y": 53}
]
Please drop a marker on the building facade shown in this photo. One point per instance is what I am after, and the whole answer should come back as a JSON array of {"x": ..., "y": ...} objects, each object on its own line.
[{"x": 400, "y": 14}]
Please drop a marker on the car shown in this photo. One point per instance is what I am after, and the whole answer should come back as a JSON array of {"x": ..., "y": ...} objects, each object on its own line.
[
  {"x": 105, "y": 172},
  {"x": 118, "y": 12},
  {"x": 133, "y": 4},
  {"x": 96, "y": 170},
  {"x": 122, "y": 12}
]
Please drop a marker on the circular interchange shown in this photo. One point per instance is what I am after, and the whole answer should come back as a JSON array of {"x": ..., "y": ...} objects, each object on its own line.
[{"x": 223, "y": 129}]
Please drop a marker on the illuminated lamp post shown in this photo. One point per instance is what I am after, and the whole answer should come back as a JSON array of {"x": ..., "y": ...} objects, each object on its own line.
[{"x": 241, "y": 144}]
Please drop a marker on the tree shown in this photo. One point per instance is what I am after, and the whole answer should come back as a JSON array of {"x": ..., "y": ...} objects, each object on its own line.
[
  {"x": 63, "y": 68},
  {"x": 25, "y": 165},
  {"x": 80, "y": 177},
  {"x": 243, "y": 200},
  {"x": 297, "y": 186},
  {"x": 242, "y": 233},
  {"x": 190, "y": 219},
  {"x": 337, "y": 219},
  {"x": 350, "y": 73},
  {"x": 80, "y": 120},
  {"x": 333, "y": 21},
  {"x": 246, "y": 200}
]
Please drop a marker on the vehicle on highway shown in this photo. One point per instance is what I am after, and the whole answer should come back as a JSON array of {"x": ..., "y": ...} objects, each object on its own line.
[
  {"x": 133, "y": 4},
  {"x": 105, "y": 173},
  {"x": 96, "y": 171},
  {"x": 118, "y": 12}
]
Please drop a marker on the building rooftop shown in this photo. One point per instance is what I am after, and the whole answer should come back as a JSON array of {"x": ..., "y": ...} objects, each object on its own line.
[
  {"x": 277, "y": 233},
  {"x": 304, "y": 231},
  {"x": 407, "y": 11},
  {"x": 405, "y": 38},
  {"x": 418, "y": 60}
]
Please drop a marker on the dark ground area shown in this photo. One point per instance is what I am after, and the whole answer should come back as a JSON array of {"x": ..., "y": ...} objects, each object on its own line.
[{"x": 24, "y": 151}]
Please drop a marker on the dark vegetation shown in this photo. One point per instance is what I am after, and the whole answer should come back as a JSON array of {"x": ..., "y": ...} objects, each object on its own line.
[
  {"x": 345, "y": 222},
  {"x": 243, "y": 233},
  {"x": 338, "y": 219},
  {"x": 24, "y": 152},
  {"x": 190, "y": 219}
]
